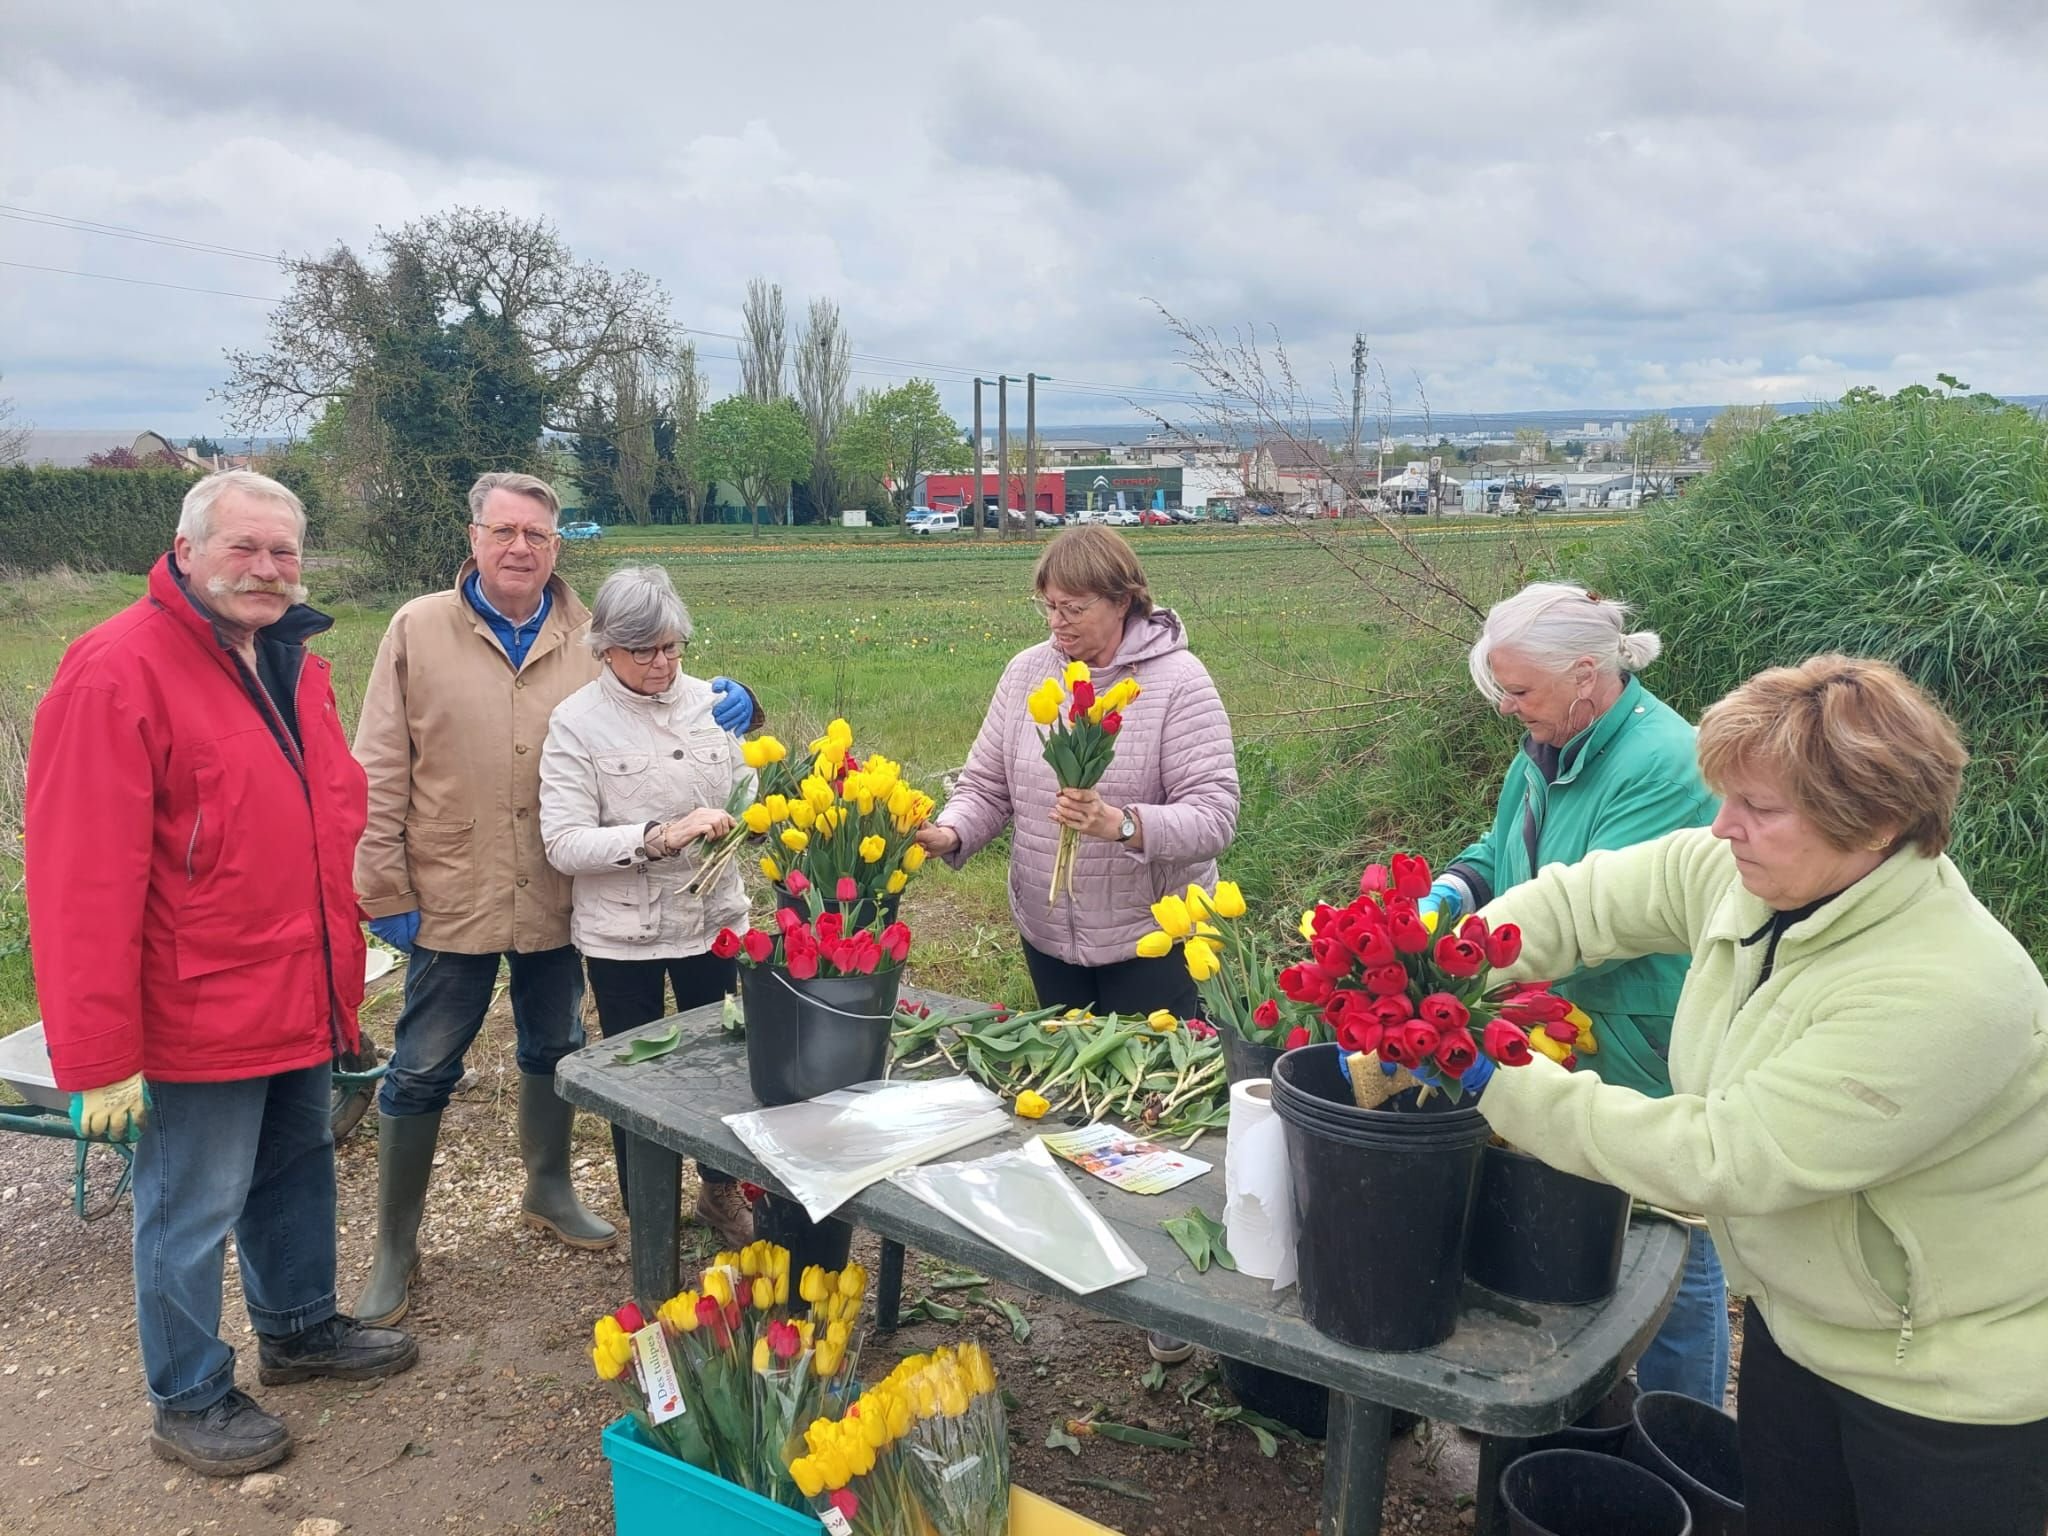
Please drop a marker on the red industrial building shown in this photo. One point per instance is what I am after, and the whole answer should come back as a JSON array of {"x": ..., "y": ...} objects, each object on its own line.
[{"x": 955, "y": 492}]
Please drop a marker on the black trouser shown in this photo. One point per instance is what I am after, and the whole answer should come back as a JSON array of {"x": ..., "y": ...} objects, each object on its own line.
[
  {"x": 1123, "y": 986},
  {"x": 630, "y": 993},
  {"x": 1820, "y": 1460}
]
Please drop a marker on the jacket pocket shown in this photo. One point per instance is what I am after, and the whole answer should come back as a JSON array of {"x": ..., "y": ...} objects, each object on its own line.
[
  {"x": 440, "y": 858},
  {"x": 204, "y": 950}
]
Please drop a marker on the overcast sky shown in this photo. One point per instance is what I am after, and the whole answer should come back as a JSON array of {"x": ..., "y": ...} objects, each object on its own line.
[{"x": 1529, "y": 204}]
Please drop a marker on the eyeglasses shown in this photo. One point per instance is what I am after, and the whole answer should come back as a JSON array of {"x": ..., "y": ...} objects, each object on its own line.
[
  {"x": 503, "y": 534},
  {"x": 1068, "y": 611},
  {"x": 645, "y": 656}
]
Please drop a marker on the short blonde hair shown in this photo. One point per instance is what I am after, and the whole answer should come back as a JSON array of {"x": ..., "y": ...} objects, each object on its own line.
[
  {"x": 1097, "y": 562},
  {"x": 1856, "y": 745},
  {"x": 522, "y": 485}
]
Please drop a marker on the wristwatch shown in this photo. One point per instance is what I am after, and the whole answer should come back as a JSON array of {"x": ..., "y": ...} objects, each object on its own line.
[{"x": 1128, "y": 828}]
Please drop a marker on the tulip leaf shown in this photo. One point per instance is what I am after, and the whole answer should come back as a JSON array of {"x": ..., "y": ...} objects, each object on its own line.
[
  {"x": 1201, "y": 1239},
  {"x": 1020, "y": 1325},
  {"x": 1060, "y": 1440},
  {"x": 1153, "y": 1379},
  {"x": 1111, "y": 1485},
  {"x": 956, "y": 1280},
  {"x": 1125, "y": 1434},
  {"x": 647, "y": 1047}
]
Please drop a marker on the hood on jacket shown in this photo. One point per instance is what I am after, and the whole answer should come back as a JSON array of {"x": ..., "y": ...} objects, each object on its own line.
[{"x": 1147, "y": 637}]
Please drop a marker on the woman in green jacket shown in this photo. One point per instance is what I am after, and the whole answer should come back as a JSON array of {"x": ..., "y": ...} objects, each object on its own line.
[
  {"x": 1603, "y": 764},
  {"x": 1860, "y": 1105}
]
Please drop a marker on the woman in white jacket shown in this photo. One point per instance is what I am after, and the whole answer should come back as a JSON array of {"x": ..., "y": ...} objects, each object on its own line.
[{"x": 634, "y": 780}]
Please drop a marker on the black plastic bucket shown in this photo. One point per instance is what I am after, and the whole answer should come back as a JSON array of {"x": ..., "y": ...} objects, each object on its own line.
[
  {"x": 1582, "y": 1493},
  {"x": 1603, "y": 1427},
  {"x": 1245, "y": 1061},
  {"x": 826, "y": 1243},
  {"x": 805, "y": 1038},
  {"x": 1542, "y": 1235},
  {"x": 1696, "y": 1450},
  {"x": 1382, "y": 1201}
]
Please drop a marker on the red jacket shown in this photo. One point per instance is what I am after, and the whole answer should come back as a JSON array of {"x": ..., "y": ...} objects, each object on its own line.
[{"x": 192, "y": 912}]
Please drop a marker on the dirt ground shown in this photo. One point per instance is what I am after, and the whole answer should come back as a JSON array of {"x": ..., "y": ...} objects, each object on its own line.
[{"x": 496, "y": 1429}]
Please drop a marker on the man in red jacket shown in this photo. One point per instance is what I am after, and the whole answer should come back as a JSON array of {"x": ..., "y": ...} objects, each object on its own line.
[{"x": 193, "y": 811}]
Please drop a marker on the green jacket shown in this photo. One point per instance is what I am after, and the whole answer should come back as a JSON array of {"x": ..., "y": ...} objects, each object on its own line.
[
  {"x": 1628, "y": 777},
  {"x": 1866, "y": 1128}
]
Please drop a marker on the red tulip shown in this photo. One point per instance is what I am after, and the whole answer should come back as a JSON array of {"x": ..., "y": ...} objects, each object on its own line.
[
  {"x": 1456, "y": 1052},
  {"x": 1411, "y": 875},
  {"x": 1084, "y": 697},
  {"x": 848, "y": 889},
  {"x": 1389, "y": 1012},
  {"x": 1267, "y": 1014},
  {"x": 783, "y": 1340},
  {"x": 847, "y": 1502},
  {"x": 1332, "y": 958},
  {"x": 1112, "y": 723},
  {"x": 831, "y": 927},
  {"x": 1297, "y": 1037},
  {"x": 1394, "y": 1048},
  {"x": 758, "y": 946},
  {"x": 800, "y": 952},
  {"x": 1506, "y": 1044},
  {"x": 1409, "y": 934},
  {"x": 1504, "y": 946},
  {"x": 1459, "y": 957},
  {"x": 1374, "y": 880},
  {"x": 1473, "y": 930},
  {"x": 1534, "y": 1003},
  {"x": 1563, "y": 1031},
  {"x": 896, "y": 941},
  {"x": 1386, "y": 980},
  {"x": 628, "y": 1317},
  {"x": 1444, "y": 1011},
  {"x": 795, "y": 883},
  {"x": 1359, "y": 1032},
  {"x": 1306, "y": 984},
  {"x": 788, "y": 919},
  {"x": 1419, "y": 1040},
  {"x": 1201, "y": 1029},
  {"x": 726, "y": 944}
]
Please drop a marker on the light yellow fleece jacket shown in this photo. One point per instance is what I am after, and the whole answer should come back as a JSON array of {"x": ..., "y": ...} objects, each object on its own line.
[{"x": 1866, "y": 1132}]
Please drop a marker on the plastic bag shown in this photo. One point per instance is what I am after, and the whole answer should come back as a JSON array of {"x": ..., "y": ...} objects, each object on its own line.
[
  {"x": 1019, "y": 1200},
  {"x": 828, "y": 1149}
]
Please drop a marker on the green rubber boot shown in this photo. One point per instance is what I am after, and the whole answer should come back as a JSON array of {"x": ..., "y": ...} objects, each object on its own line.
[
  {"x": 545, "y": 1121},
  {"x": 405, "y": 1163}
]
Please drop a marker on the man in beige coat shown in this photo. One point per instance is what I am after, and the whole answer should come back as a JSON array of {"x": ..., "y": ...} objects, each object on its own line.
[{"x": 451, "y": 868}]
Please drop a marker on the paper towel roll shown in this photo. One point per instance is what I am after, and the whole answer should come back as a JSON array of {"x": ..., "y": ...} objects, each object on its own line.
[{"x": 1258, "y": 1205}]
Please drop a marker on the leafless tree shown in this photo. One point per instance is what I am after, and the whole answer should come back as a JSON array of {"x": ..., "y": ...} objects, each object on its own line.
[
  {"x": 823, "y": 361},
  {"x": 685, "y": 390},
  {"x": 761, "y": 351},
  {"x": 634, "y": 403},
  {"x": 13, "y": 435}
]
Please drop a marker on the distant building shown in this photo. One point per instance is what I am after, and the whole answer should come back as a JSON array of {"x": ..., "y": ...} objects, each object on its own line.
[
  {"x": 60, "y": 448},
  {"x": 1292, "y": 471}
]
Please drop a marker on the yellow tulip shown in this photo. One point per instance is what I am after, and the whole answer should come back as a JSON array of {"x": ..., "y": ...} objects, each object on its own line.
[
  {"x": 815, "y": 1285},
  {"x": 1031, "y": 1104},
  {"x": 1155, "y": 945},
  {"x": 1307, "y": 925},
  {"x": 1202, "y": 959},
  {"x": 896, "y": 881},
  {"x": 770, "y": 868},
  {"x": 831, "y": 1461},
  {"x": 1198, "y": 903},
  {"x": 1163, "y": 1019},
  {"x": 718, "y": 1286},
  {"x": 778, "y": 807},
  {"x": 764, "y": 1292},
  {"x": 828, "y": 822},
  {"x": 802, "y": 815},
  {"x": 825, "y": 1359},
  {"x": 757, "y": 819},
  {"x": 772, "y": 751},
  {"x": 606, "y": 1369},
  {"x": 1077, "y": 672},
  {"x": 794, "y": 840},
  {"x": 753, "y": 754},
  {"x": 1171, "y": 914},
  {"x": 817, "y": 790},
  {"x": 1556, "y": 1050},
  {"x": 809, "y": 1480},
  {"x": 871, "y": 850},
  {"x": 763, "y": 1356},
  {"x": 914, "y": 857},
  {"x": 853, "y": 1281},
  {"x": 1228, "y": 900},
  {"x": 1044, "y": 702}
]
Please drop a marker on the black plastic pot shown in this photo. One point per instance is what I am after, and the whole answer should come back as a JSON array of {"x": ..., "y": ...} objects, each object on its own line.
[
  {"x": 1603, "y": 1427},
  {"x": 826, "y": 1243},
  {"x": 1245, "y": 1061},
  {"x": 1542, "y": 1235},
  {"x": 1382, "y": 1203},
  {"x": 805, "y": 1038},
  {"x": 1696, "y": 1450},
  {"x": 860, "y": 914},
  {"x": 1582, "y": 1493}
]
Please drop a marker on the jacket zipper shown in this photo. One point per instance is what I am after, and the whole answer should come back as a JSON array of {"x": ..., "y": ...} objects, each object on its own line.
[
  {"x": 192, "y": 846},
  {"x": 1905, "y": 1333}
]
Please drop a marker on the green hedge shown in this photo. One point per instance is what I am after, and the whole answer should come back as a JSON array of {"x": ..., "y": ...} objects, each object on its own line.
[
  {"x": 90, "y": 519},
  {"x": 1914, "y": 529}
]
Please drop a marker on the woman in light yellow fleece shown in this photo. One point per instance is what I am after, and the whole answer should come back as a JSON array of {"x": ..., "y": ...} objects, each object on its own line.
[{"x": 1860, "y": 1107}]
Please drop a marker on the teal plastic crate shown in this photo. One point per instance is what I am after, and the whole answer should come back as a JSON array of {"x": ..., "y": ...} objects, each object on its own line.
[{"x": 653, "y": 1494}]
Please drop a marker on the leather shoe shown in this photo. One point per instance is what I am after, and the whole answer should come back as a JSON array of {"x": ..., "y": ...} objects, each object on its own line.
[
  {"x": 340, "y": 1347},
  {"x": 724, "y": 1209},
  {"x": 227, "y": 1438}
]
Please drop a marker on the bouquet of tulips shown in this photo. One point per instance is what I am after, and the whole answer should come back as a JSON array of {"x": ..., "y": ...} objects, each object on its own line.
[
  {"x": 1382, "y": 980},
  {"x": 1232, "y": 969},
  {"x": 925, "y": 1452},
  {"x": 1080, "y": 729},
  {"x": 748, "y": 1366},
  {"x": 824, "y": 945}
]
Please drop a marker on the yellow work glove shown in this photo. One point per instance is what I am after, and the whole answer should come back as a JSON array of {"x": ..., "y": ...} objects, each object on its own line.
[{"x": 112, "y": 1113}]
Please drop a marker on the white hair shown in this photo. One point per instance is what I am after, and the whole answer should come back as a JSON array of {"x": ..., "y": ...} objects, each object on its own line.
[
  {"x": 635, "y": 609},
  {"x": 195, "y": 517},
  {"x": 1554, "y": 624},
  {"x": 531, "y": 486}
]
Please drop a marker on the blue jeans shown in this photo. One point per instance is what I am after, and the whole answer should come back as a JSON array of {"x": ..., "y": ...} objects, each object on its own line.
[
  {"x": 1690, "y": 1352},
  {"x": 446, "y": 997},
  {"x": 255, "y": 1157}
]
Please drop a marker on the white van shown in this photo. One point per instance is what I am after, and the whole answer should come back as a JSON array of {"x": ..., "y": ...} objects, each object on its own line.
[{"x": 938, "y": 522}]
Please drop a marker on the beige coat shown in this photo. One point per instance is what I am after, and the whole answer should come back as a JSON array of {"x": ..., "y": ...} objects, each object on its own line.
[
  {"x": 616, "y": 760},
  {"x": 451, "y": 738}
]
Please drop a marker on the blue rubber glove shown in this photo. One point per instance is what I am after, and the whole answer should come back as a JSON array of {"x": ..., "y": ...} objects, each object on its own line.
[
  {"x": 1475, "y": 1079},
  {"x": 1444, "y": 901},
  {"x": 399, "y": 930},
  {"x": 733, "y": 708}
]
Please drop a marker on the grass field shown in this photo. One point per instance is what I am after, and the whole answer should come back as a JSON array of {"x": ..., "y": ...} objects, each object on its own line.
[{"x": 906, "y": 638}]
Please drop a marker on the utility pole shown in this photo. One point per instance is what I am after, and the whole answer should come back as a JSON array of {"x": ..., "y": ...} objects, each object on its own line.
[
  {"x": 977, "y": 453},
  {"x": 1359, "y": 351},
  {"x": 1031, "y": 456},
  {"x": 1002, "y": 454}
]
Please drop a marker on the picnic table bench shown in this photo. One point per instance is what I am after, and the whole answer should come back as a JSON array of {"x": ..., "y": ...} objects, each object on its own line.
[{"x": 1511, "y": 1371}]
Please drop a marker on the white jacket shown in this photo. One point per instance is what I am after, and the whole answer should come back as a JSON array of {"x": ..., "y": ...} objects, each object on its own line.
[{"x": 614, "y": 761}]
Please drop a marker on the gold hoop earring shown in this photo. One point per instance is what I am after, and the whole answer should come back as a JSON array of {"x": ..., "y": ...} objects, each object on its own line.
[{"x": 1569, "y": 728}]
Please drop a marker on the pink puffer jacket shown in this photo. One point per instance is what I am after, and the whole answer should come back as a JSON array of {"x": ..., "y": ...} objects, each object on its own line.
[{"x": 1174, "y": 763}]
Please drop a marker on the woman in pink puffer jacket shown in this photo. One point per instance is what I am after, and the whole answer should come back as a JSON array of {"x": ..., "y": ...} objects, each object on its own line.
[{"x": 1164, "y": 811}]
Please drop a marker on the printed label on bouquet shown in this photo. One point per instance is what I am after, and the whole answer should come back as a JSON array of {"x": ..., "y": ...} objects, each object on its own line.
[
  {"x": 658, "y": 1382},
  {"x": 836, "y": 1523},
  {"x": 1129, "y": 1162}
]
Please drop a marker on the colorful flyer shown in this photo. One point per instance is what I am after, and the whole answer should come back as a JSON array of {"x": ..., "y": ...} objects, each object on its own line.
[{"x": 1129, "y": 1162}]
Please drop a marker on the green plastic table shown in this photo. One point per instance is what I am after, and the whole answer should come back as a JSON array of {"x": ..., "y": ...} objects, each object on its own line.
[{"x": 1511, "y": 1370}]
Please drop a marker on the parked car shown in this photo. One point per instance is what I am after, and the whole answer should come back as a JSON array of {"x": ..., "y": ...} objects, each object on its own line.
[
  {"x": 937, "y": 522},
  {"x": 1153, "y": 518},
  {"x": 581, "y": 531},
  {"x": 916, "y": 515},
  {"x": 1184, "y": 514},
  {"x": 1120, "y": 517},
  {"x": 1051, "y": 519},
  {"x": 1549, "y": 498}
]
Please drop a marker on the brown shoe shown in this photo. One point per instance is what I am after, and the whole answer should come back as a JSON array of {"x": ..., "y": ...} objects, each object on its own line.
[{"x": 723, "y": 1209}]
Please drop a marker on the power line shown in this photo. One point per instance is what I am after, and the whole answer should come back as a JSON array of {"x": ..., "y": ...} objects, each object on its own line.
[
  {"x": 124, "y": 232},
  {"x": 139, "y": 282}
]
